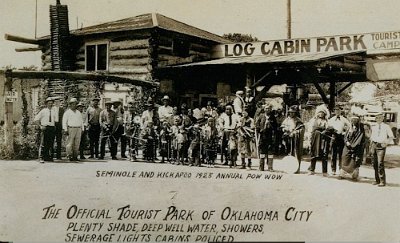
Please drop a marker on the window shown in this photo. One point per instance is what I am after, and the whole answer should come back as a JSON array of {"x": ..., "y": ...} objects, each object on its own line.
[
  {"x": 96, "y": 57},
  {"x": 180, "y": 47}
]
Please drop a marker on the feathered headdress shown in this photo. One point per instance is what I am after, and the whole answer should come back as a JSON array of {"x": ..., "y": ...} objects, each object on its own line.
[{"x": 322, "y": 108}]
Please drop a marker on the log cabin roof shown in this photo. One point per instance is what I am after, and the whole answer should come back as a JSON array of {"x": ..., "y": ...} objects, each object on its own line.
[{"x": 147, "y": 21}]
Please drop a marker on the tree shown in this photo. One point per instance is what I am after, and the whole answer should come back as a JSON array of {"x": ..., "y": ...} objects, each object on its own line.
[{"x": 237, "y": 37}]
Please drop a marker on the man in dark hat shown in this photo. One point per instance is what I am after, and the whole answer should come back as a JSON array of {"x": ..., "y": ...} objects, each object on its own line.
[
  {"x": 266, "y": 126},
  {"x": 59, "y": 112},
  {"x": 46, "y": 119},
  {"x": 293, "y": 135},
  {"x": 109, "y": 124},
  {"x": 93, "y": 118}
]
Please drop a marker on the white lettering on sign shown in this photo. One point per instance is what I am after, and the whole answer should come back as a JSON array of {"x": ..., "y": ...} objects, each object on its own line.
[
  {"x": 11, "y": 96},
  {"x": 370, "y": 42}
]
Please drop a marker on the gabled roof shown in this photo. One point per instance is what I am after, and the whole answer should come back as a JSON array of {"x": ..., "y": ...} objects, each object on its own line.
[{"x": 146, "y": 21}]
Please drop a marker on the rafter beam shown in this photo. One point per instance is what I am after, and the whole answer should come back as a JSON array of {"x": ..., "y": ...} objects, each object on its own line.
[
  {"x": 65, "y": 75},
  {"x": 20, "y": 39}
]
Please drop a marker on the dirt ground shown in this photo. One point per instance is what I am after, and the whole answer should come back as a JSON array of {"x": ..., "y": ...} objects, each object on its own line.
[{"x": 333, "y": 210}]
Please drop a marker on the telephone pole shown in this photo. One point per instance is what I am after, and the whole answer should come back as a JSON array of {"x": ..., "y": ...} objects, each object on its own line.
[{"x": 289, "y": 19}]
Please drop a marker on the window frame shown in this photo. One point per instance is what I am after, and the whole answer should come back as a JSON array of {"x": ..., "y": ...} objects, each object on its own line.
[{"x": 96, "y": 44}]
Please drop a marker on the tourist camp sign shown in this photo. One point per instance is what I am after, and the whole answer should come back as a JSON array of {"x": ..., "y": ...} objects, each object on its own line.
[{"x": 380, "y": 42}]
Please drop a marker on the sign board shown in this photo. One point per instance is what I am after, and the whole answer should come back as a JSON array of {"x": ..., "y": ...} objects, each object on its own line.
[
  {"x": 11, "y": 96},
  {"x": 372, "y": 43}
]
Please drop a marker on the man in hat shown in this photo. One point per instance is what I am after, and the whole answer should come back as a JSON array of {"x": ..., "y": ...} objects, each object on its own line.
[
  {"x": 381, "y": 136},
  {"x": 293, "y": 135},
  {"x": 46, "y": 119},
  {"x": 165, "y": 111},
  {"x": 82, "y": 144},
  {"x": 250, "y": 102},
  {"x": 73, "y": 126},
  {"x": 109, "y": 125},
  {"x": 93, "y": 119},
  {"x": 149, "y": 115},
  {"x": 229, "y": 122},
  {"x": 266, "y": 126},
  {"x": 58, "y": 110},
  {"x": 119, "y": 134},
  {"x": 238, "y": 102},
  {"x": 340, "y": 125}
]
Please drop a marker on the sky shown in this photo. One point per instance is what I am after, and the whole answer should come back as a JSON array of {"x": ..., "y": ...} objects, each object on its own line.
[{"x": 264, "y": 19}]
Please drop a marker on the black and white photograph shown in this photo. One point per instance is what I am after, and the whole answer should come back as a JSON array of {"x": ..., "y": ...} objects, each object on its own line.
[{"x": 199, "y": 121}]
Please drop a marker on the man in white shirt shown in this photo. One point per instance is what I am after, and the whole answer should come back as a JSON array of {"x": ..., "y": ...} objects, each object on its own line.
[
  {"x": 165, "y": 111},
  {"x": 238, "y": 102},
  {"x": 46, "y": 119},
  {"x": 381, "y": 136},
  {"x": 340, "y": 124},
  {"x": 73, "y": 127},
  {"x": 229, "y": 122}
]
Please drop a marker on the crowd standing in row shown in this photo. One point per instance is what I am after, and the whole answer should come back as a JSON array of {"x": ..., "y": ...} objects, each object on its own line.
[{"x": 195, "y": 137}]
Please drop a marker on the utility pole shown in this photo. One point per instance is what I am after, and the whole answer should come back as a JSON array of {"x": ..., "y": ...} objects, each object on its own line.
[{"x": 289, "y": 19}]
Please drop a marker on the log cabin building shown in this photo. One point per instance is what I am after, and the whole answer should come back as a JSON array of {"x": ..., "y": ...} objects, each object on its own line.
[{"x": 137, "y": 48}]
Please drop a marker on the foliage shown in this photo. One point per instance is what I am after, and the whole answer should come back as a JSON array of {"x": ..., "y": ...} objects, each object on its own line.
[
  {"x": 387, "y": 88},
  {"x": 237, "y": 37}
]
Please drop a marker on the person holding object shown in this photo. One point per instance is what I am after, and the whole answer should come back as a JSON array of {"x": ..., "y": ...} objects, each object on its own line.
[
  {"x": 266, "y": 126},
  {"x": 354, "y": 148},
  {"x": 341, "y": 125},
  {"x": 109, "y": 125},
  {"x": 73, "y": 127},
  {"x": 46, "y": 119},
  {"x": 229, "y": 121},
  {"x": 246, "y": 137},
  {"x": 293, "y": 135},
  {"x": 381, "y": 136},
  {"x": 320, "y": 140}
]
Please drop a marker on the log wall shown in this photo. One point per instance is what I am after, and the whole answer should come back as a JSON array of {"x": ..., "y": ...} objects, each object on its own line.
[{"x": 198, "y": 50}]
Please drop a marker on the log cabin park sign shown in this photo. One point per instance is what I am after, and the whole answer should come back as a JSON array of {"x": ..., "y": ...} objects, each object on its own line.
[{"x": 372, "y": 43}]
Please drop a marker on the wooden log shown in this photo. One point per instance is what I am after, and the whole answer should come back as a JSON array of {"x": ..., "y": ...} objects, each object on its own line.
[
  {"x": 20, "y": 39},
  {"x": 165, "y": 50},
  {"x": 127, "y": 62},
  {"x": 126, "y": 54},
  {"x": 80, "y": 57},
  {"x": 200, "y": 48},
  {"x": 73, "y": 76},
  {"x": 129, "y": 44},
  {"x": 129, "y": 69},
  {"x": 339, "y": 64},
  {"x": 165, "y": 41},
  {"x": 27, "y": 49}
]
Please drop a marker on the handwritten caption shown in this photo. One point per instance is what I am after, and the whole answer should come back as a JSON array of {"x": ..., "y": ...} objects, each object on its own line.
[
  {"x": 171, "y": 224},
  {"x": 190, "y": 175}
]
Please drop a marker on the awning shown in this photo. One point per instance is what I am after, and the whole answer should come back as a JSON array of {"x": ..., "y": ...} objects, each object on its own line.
[
  {"x": 383, "y": 70},
  {"x": 294, "y": 58}
]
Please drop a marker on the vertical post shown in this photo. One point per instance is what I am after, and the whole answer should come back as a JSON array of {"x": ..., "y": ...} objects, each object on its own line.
[
  {"x": 289, "y": 19},
  {"x": 249, "y": 80},
  {"x": 332, "y": 95},
  {"x": 8, "y": 114}
]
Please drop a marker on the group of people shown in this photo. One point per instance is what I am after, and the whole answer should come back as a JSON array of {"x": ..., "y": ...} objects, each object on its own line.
[{"x": 195, "y": 137}]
